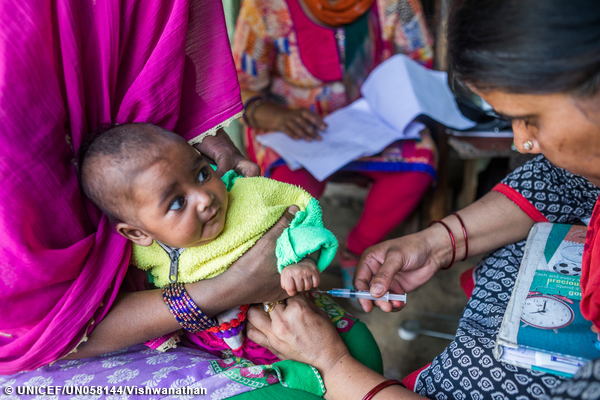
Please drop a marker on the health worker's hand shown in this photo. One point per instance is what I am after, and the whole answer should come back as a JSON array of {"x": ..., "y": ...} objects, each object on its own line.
[
  {"x": 300, "y": 331},
  {"x": 400, "y": 266}
]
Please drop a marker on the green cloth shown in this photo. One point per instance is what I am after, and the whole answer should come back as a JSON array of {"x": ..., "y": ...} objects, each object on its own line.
[
  {"x": 296, "y": 375},
  {"x": 360, "y": 343},
  {"x": 304, "y": 236}
]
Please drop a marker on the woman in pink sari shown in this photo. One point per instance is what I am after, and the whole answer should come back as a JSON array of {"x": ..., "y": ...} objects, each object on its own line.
[{"x": 67, "y": 67}]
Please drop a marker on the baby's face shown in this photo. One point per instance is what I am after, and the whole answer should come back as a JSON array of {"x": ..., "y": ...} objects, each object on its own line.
[{"x": 178, "y": 199}]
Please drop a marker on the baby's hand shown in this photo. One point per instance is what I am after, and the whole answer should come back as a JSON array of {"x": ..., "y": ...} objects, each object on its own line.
[{"x": 300, "y": 277}]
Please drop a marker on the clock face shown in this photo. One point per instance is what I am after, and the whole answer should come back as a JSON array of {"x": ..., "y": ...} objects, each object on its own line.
[{"x": 546, "y": 312}]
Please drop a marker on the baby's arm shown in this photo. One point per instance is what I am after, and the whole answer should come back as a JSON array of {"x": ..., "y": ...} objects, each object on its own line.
[{"x": 300, "y": 277}]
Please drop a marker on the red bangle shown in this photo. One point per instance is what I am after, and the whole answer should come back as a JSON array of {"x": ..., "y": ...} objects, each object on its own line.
[
  {"x": 464, "y": 229},
  {"x": 382, "y": 386},
  {"x": 451, "y": 239}
]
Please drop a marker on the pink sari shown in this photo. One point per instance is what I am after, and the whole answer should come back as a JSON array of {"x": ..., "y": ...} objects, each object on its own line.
[{"x": 67, "y": 66}]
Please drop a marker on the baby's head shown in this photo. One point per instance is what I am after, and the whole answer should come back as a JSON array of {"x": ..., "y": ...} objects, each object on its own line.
[{"x": 154, "y": 185}]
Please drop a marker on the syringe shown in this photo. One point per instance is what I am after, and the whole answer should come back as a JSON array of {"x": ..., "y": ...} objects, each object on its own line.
[{"x": 362, "y": 294}]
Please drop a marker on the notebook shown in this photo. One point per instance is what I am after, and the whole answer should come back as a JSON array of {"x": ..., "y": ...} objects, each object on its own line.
[{"x": 543, "y": 328}]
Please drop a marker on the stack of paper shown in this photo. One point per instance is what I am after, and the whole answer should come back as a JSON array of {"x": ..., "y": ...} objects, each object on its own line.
[{"x": 396, "y": 92}]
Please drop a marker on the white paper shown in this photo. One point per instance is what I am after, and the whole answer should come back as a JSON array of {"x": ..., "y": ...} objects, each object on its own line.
[
  {"x": 521, "y": 355},
  {"x": 395, "y": 93},
  {"x": 401, "y": 89},
  {"x": 352, "y": 132},
  {"x": 563, "y": 364}
]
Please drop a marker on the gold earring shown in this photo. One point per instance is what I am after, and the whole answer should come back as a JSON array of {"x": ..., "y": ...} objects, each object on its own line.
[{"x": 528, "y": 145}]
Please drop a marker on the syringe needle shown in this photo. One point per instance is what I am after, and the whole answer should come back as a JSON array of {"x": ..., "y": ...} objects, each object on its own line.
[{"x": 363, "y": 294}]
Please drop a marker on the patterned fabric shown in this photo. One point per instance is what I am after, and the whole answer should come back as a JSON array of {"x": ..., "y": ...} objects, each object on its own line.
[
  {"x": 139, "y": 370},
  {"x": 297, "y": 63},
  {"x": 402, "y": 156},
  {"x": 467, "y": 368},
  {"x": 145, "y": 369},
  {"x": 341, "y": 319},
  {"x": 559, "y": 195},
  {"x": 585, "y": 385}
]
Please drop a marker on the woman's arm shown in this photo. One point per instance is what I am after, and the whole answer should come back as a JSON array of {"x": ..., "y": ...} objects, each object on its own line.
[
  {"x": 301, "y": 332},
  {"x": 491, "y": 222},
  {"x": 348, "y": 379},
  {"x": 401, "y": 265},
  {"x": 270, "y": 117},
  {"x": 137, "y": 317}
]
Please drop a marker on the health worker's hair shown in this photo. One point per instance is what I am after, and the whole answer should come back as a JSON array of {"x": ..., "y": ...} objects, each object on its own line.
[{"x": 527, "y": 46}]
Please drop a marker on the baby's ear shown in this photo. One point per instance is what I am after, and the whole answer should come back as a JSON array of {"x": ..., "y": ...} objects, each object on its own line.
[{"x": 134, "y": 234}]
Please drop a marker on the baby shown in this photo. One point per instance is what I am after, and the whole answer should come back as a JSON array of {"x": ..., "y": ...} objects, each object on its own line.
[{"x": 188, "y": 224}]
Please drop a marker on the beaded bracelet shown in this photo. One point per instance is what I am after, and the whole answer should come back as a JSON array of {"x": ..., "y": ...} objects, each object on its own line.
[
  {"x": 451, "y": 239},
  {"x": 233, "y": 327},
  {"x": 382, "y": 386},
  {"x": 185, "y": 310},
  {"x": 464, "y": 229}
]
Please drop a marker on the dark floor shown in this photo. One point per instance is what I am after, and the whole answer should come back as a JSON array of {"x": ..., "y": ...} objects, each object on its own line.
[{"x": 441, "y": 297}]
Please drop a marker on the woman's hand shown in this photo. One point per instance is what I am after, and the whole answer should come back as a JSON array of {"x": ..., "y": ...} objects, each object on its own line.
[
  {"x": 401, "y": 265},
  {"x": 297, "y": 124},
  {"x": 253, "y": 278},
  {"x": 227, "y": 157},
  {"x": 298, "y": 331},
  {"x": 300, "y": 124}
]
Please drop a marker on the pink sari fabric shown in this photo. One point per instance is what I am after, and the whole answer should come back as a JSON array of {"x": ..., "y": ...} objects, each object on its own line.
[{"x": 67, "y": 66}]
